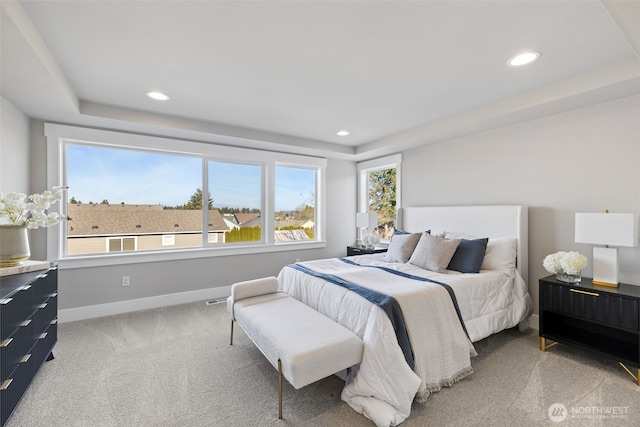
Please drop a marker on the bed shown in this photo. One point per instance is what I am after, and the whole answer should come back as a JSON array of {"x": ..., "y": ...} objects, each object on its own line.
[{"x": 418, "y": 319}]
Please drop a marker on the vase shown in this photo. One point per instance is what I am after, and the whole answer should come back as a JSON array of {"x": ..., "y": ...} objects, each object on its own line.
[
  {"x": 568, "y": 278},
  {"x": 14, "y": 245}
]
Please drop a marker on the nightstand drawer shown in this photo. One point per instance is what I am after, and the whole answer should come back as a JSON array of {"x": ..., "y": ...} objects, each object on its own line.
[{"x": 591, "y": 305}]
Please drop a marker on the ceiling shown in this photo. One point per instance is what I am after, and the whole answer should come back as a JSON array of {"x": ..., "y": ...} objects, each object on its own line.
[{"x": 288, "y": 75}]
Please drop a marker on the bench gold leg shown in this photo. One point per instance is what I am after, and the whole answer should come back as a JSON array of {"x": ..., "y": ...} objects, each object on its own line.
[
  {"x": 279, "y": 389},
  {"x": 231, "y": 342}
]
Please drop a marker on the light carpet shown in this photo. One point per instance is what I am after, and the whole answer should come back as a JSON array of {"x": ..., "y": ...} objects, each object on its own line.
[{"x": 173, "y": 366}]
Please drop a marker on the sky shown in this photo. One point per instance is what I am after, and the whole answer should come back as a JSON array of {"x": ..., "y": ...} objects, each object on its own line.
[{"x": 138, "y": 177}]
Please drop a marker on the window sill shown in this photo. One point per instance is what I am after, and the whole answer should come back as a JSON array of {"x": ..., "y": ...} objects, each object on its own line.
[{"x": 168, "y": 255}]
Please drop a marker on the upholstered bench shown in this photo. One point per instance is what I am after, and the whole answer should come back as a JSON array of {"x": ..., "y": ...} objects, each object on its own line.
[{"x": 303, "y": 344}]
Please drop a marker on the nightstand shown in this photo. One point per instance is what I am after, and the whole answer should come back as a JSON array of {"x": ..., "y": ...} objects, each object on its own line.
[
  {"x": 359, "y": 250},
  {"x": 588, "y": 316}
]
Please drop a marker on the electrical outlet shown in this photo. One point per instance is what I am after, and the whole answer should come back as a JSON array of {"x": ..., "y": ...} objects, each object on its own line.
[
  {"x": 125, "y": 281},
  {"x": 297, "y": 259}
]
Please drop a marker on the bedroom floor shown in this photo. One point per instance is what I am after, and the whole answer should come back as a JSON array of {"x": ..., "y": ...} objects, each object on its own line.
[{"x": 173, "y": 366}]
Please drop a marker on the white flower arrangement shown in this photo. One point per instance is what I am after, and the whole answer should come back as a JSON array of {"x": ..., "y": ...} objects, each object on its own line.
[
  {"x": 565, "y": 262},
  {"x": 371, "y": 239},
  {"x": 18, "y": 209}
]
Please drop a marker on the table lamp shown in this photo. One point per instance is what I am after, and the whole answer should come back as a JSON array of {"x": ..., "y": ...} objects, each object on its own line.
[
  {"x": 608, "y": 229},
  {"x": 366, "y": 220}
]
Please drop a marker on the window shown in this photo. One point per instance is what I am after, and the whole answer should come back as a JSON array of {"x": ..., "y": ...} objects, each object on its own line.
[
  {"x": 115, "y": 192},
  {"x": 379, "y": 192},
  {"x": 295, "y": 204},
  {"x": 121, "y": 244},
  {"x": 133, "y": 194},
  {"x": 235, "y": 206}
]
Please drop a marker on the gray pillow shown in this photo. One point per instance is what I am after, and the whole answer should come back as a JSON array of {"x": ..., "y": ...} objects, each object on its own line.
[
  {"x": 401, "y": 247},
  {"x": 434, "y": 253}
]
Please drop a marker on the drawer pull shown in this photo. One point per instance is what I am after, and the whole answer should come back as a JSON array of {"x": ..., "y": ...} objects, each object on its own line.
[
  {"x": 26, "y": 322},
  {"x": 53, "y": 295},
  {"x": 54, "y": 321},
  {"x": 43, "y": 336},
  {"x": 43, "y": 305},
  {"x": 5, "y": 385},
  {"x": 25, "y": 358},
  {"x": 6, "y": 342},
  {"x": 593, "y": 294},
  {"x": 6, "y": 301},
  {"x": 26, "y": 287}
]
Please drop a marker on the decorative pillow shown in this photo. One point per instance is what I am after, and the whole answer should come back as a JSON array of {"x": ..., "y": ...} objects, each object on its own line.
[
  {"x": 433, "y": 253},
  {"x": 401, "y": 247},
  {"x": 501, "y": 254},
  {"x": 468, "y": 256}
]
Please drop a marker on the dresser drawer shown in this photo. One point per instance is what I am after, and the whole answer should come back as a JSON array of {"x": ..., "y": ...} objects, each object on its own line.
[
  {"x": 593, "y": 305},
  {"x": 15, "y": 348},
  {"x": 15, "y": 310},
  {"x": 14, "y": 387},
  {"x": 44, "y": 286},
  {"x": 45, "y": 313}
]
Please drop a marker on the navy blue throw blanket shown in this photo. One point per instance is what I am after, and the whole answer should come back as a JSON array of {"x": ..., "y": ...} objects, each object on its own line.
[
  {"x": 386, "y": 302},
  {"x": 452, "y": 294}
]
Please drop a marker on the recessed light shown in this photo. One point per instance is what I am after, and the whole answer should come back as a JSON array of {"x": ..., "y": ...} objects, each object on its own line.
[
  {"x": 523, "y": 59},
  {"x": 343, "y": 133},
  {"x": 158, "y": 96}
]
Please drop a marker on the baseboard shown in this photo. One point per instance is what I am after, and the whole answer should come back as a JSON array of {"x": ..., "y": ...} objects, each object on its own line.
[
  {"x": 109, "y": 309},
  {"x": 534, "y": 322}
]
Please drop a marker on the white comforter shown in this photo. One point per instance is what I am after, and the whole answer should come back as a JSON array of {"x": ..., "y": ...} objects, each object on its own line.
[{"x": 384, "y": 386}]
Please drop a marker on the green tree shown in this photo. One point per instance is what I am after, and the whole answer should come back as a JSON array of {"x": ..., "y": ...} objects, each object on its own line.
[
  {"x": 382, "y": 197},
  {"x": 304, "y": 212},
  {"x": 195, "y": 202}
]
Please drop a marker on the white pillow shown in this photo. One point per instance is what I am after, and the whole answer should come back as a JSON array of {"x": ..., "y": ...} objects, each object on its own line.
[
  {"x": 434, "y": 253},
  {"x": 501, "y": 254},
  {"x": 401, "y": 247}
]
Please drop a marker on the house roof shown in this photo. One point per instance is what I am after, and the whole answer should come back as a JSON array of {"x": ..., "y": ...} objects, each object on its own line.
[
  {"x": 108, "y": 219},
  {"x": 246, "y": 217}
]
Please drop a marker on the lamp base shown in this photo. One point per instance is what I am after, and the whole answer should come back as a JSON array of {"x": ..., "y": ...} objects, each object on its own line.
[
  {"x": 599, "y": 283},
  {"x": 605, "y": 266}
]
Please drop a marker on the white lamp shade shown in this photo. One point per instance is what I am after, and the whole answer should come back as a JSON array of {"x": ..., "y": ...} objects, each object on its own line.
[
  {"x": 614, "y": 229},
  {"x": 366, "y": 220}
]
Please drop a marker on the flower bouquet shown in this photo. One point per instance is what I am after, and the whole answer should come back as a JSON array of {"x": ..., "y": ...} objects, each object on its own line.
[
  {"x": 565, "y": 265},
  {"x": 19, "y": 212}
]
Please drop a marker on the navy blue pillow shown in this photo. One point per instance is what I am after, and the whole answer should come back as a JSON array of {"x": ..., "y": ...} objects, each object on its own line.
[{"x": 468, "y": 256}]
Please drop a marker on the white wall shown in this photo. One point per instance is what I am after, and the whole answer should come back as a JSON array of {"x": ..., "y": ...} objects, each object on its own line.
[
  {"x": 83, "y": 287},
  {"x": 585, "y": 160},
  {"x": 14, "y": 149},
  {"x": 581, "y": 161}
]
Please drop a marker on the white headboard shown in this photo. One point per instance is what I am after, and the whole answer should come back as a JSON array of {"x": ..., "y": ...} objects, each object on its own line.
[{"x": 479, "y": 221}]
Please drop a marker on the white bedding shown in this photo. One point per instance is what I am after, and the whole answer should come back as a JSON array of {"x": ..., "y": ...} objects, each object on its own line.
[{"x": 384, "y": 386}]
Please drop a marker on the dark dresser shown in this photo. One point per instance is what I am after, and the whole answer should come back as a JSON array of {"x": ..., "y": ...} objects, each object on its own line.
[
  {"x": 600, "y": 319},
  {"x": 29, "y": 317}
]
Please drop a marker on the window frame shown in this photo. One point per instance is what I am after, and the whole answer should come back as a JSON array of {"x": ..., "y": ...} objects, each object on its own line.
[
  {"x": 59, "y": 135},
  {"x": 364, "y": 168}
]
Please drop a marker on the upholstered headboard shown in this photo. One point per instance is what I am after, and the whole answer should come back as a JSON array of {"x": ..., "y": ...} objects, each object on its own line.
[{"x": 478, "y": 221}]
